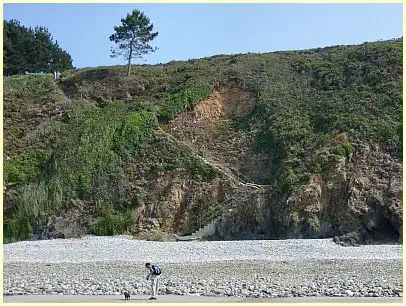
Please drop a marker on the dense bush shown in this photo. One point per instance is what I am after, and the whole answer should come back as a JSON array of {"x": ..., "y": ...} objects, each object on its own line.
[
  {"x": 111, "y": 223},
  {"x": 33, "y": 200},
  {"x": 23, "y": 167},
  {"x": 183, "y": 100},
  {"x": 351, "y": 89}
]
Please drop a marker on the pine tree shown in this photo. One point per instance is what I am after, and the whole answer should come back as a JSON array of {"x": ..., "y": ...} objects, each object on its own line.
[{"x": 133, "y": 37}]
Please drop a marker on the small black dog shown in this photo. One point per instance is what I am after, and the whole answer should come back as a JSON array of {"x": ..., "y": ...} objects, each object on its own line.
[{"x": 126, "y": 295}]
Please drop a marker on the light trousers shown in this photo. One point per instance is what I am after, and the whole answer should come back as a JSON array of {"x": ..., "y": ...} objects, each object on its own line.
[{"x": 154, "y": 284}]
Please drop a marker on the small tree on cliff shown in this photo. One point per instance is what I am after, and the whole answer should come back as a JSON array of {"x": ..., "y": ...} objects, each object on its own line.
[{"x": 133, "y": 37}]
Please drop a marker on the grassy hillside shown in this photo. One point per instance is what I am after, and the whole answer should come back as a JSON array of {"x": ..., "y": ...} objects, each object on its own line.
[{"x": 95, "y": 135}]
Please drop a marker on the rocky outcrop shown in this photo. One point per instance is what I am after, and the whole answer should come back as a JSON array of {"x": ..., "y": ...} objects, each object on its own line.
[
  {"x": 73, "y": 223},
  {"x": 359, "y": 201}
]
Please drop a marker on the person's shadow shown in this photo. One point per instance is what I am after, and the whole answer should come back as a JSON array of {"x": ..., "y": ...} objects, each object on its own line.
[{"x": 134, "y": 299}]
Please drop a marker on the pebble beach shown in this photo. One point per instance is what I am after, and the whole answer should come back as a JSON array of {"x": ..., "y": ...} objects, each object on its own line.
[{"x": 252, "y": 269}]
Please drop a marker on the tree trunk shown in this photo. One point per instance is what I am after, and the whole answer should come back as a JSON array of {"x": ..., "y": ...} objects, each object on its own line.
[
  {"x": 130, "y": 55},
  {"x": 129, "y": 67}
]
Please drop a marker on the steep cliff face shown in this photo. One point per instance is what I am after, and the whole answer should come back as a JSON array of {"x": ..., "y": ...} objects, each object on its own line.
[
  {"x": 300, "y": 144},
  {"x": 359, "y": 199}
]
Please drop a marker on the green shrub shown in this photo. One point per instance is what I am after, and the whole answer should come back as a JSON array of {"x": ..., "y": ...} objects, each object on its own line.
[
  {"x": 133, "y": 128},
  {"x": 142, "y": 103},
  {"x": 183, "y": 100},
  {"x": 13, "y": 173},
  {"x": 23, "y": 167},
  {"x": 30, "y": 88},
  {"x": 171, "y": 157},
  {"x": 111, "y": 223},
  {"x": 19, "y": 228},
  {"x": 325, "y": 163},
  {"x": 385, "y": 130},
  {"x": 288, "y": 180},
  {"x": 98, "y": 142},
  {"x": 343, "y": 149},
  {"x": 33, "y": 199}
]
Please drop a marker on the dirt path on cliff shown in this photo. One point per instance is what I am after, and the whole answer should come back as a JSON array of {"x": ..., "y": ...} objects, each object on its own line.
[
  {"x": 214, "y": 131},
  {"x": 237, "y": 178}
]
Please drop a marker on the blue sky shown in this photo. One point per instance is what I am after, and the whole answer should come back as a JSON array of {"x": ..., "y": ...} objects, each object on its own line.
[{"x": 198, "y": 30}]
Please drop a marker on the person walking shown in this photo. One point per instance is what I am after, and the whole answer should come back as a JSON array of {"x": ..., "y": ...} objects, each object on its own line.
[{"x": 154, "y": 273}]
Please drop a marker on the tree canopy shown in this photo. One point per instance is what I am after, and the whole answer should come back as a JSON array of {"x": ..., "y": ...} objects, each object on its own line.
[
  {"x": 133, "y": 37},
  {"x": 32, "y": 49}
]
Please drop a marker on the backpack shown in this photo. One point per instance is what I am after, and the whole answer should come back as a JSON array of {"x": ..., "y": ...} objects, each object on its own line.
[{"x": 156, "y": 270}]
